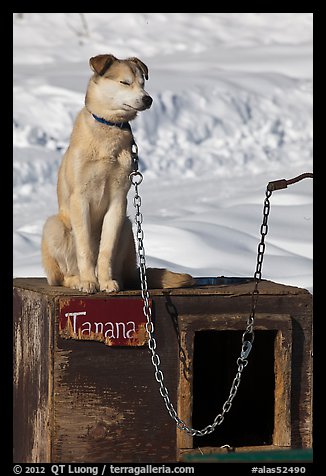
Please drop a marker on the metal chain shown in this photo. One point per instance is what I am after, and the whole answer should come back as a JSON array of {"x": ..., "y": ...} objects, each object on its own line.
[{"x": 136, "y": 179}]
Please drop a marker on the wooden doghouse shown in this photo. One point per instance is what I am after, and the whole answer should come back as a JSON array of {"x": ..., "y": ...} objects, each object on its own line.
[{"x": 84, "y": 386}]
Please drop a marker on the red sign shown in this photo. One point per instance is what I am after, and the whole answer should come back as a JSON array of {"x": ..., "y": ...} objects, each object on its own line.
[{"x": 114, "y": 321}]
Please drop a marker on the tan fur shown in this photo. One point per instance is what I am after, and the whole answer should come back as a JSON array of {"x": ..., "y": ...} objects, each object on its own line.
[{"x": 89, "y": 244}]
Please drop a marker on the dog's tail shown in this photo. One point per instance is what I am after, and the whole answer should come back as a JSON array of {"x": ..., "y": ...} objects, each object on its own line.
[{"x": 158, "y": 278}]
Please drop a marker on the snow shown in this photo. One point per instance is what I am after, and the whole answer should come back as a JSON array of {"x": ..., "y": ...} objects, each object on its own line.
[{"x": 232, "y": 111}]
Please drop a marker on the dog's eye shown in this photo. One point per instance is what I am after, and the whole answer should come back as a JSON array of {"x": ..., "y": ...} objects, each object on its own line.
[{"x": 125, "y": 82}]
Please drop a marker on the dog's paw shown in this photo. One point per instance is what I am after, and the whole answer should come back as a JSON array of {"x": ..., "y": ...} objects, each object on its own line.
[
  {"x": 110, "y": 286},
  {"x": 72, "y": 282},
  {"x": 89, "y": 287}
]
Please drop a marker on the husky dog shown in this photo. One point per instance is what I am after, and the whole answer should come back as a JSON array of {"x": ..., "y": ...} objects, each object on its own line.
[{"x": 89, "y": 244}]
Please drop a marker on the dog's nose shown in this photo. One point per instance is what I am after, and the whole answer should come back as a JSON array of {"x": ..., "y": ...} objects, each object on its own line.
[{"x": 147, "y": 101}]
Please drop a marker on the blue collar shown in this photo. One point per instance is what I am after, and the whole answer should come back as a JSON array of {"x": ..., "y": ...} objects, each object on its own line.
[{"x": 121, "y": 125}]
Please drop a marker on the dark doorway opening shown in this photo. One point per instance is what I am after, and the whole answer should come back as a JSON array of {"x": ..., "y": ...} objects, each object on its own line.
[{"x": 250, "y": 422}]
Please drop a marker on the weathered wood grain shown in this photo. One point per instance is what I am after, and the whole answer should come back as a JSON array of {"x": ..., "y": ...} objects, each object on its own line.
[
  {"x": 32, "y": 372},
  {"x": 82, "y": 401}
]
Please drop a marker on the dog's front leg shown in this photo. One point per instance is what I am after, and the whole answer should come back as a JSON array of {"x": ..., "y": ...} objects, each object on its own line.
[
  {"x": 80, "y": 221},
  {"x": 107, "y": 265}
]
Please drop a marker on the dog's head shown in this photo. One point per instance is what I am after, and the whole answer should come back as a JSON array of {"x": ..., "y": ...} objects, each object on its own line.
[{"x": 117, "y": 87}]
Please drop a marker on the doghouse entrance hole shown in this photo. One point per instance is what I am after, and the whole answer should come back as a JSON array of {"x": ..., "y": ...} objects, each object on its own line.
[{"x": 250, "y": 421}]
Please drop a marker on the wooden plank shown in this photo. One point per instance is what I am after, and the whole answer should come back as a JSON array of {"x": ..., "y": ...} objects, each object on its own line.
[
  {"x": 232, "y": 290},
  {"x": 32, "y": 372},
  {"x": 283, "y": 386},
  {"x": 185, "y": 400}
]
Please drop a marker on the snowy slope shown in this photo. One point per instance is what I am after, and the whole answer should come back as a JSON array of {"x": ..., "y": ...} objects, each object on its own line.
[{"x": 232, "y": 110}]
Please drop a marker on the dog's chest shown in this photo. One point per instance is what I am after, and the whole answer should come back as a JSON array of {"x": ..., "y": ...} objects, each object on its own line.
[{"x": 106, "y": 176}]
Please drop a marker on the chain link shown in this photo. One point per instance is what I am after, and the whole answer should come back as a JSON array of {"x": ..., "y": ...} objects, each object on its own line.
[{"x": 247, "y": 337}]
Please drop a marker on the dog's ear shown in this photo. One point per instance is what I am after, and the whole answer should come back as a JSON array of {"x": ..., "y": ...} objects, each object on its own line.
[
  {"x": 142, "y": 66},
  {"x": 101, "y": 63}
]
